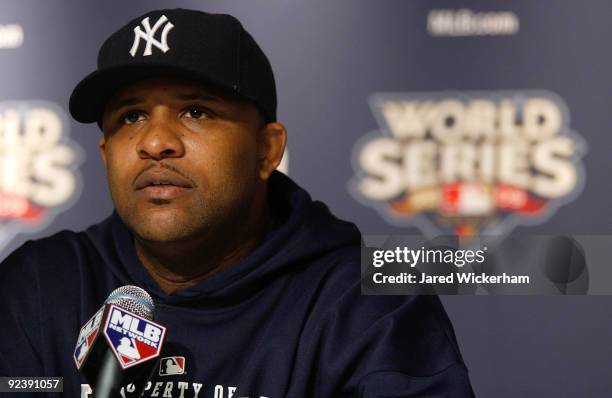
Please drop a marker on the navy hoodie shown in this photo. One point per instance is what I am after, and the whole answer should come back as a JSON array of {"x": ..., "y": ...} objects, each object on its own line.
[{"x": 287, "y": 321}]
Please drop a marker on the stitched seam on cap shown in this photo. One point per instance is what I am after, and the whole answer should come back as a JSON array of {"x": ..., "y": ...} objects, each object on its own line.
[{"x": 238, "y": 81}]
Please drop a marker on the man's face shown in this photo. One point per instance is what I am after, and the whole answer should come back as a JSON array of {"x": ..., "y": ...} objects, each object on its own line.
[{"x": 182, "y": 161}]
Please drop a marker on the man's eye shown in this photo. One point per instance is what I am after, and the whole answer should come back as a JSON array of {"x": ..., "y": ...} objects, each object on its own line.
[
  {"x": 195, "y": 113},
  {"x": 132, "y": 117}
]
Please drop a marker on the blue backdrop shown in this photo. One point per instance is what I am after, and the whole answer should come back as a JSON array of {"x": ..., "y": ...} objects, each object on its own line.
[{"x": 332, "y": 61}]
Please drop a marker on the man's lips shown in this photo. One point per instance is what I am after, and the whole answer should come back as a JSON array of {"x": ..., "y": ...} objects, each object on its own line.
[
  {"x": 160, "y": 178},
  {"x": 161, "y": 184}
]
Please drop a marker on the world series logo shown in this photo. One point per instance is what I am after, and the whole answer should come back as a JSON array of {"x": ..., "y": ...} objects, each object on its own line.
[
  {"x": 132, "y": 338},
  {"x": 466, "y": 163},
  {"x": 39, "y": 176}
]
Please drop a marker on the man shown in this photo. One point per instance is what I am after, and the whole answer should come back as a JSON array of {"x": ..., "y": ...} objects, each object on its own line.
[{"x": 257, "y": 284}]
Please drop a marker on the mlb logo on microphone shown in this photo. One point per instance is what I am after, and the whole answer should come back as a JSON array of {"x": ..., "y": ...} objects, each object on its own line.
[
  {"x": 133, "y": 338},
  {"x": 170, "y": 366},
  {"x": 87, "y": 335}
]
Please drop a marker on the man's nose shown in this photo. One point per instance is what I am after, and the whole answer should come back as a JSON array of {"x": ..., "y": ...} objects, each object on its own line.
[{"x": 160, "y": 140}]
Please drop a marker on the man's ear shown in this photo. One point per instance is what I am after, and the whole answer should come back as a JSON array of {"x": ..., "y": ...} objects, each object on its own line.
[
  {"x": 272, "y": 142},
  {"x": 102, "y": 148}
]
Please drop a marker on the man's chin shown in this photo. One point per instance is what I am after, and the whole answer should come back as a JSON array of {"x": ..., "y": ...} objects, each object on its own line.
[
  {"x": 161, "y": 226},
  {"x": 157, "y": 235}
]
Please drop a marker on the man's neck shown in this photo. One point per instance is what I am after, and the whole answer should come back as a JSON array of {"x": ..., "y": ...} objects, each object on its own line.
[{"x": 180, "y": 265}]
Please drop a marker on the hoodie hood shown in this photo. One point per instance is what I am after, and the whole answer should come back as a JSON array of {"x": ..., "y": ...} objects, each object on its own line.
[{"x": 303, "y": 231}]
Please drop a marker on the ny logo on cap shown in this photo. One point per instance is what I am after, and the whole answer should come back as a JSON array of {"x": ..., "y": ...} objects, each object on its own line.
[{"x": 149, "y": 36}]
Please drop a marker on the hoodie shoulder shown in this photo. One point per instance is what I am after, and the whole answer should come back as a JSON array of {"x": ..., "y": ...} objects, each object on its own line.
[
  {"x": 405, "y": 343},
  {"x": 57, "y": 266},
  {"x": 53, "y": 251},
  {"x": 61, "y": 250}
]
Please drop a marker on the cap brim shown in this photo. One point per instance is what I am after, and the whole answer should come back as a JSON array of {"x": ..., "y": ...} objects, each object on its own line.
[{"x": 91, "y": 95}]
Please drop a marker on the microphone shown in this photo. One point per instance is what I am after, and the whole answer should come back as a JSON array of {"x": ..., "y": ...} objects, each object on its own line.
[{"x": 120, "y": 344}]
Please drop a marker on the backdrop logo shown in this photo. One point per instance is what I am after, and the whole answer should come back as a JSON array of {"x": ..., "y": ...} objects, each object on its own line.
[
  {"x": 465, "y": 22},
  {"x": 11, "y": 36},
  {"x": 468, "y": 163},
  {"x": 38, "y": 166}
]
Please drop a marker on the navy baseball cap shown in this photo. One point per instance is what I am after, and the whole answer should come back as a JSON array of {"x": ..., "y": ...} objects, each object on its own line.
[{"x": 212, "y": 48}]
